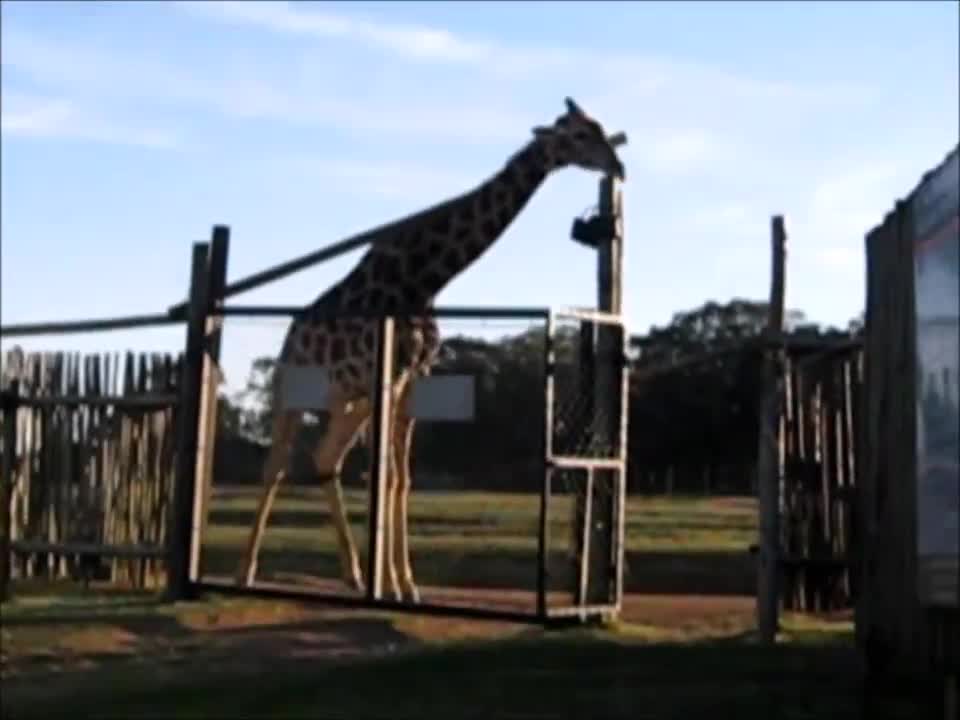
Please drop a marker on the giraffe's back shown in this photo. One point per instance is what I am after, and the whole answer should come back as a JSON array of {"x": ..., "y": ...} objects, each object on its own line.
[{"x": 325, "y": 335}]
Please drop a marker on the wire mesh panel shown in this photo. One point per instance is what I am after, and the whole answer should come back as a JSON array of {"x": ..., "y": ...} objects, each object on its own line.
[
  {"x": 588, "y": 368},
  {"x": 586, "y": 423}
]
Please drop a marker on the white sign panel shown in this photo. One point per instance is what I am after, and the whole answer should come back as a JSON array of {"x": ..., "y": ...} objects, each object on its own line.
[
  {"x": 937, "y": 281},
  {"x": 449, "y": 398}
]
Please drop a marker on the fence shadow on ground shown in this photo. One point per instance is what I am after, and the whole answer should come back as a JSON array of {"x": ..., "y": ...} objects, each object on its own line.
[{"x": 210, "y": 659}]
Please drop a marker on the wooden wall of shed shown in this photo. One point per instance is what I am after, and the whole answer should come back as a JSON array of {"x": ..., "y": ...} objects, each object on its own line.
[{"x": 891, "y": 628}]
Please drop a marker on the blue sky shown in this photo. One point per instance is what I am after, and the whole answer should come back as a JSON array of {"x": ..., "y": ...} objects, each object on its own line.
[{"x": 129, "y": 129}]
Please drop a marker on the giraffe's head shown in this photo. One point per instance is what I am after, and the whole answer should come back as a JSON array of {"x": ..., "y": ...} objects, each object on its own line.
[{"x": 577, "y": 139}]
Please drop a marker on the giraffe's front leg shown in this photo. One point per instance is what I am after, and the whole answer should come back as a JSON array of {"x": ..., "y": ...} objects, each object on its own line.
[{"x": 342, "y": 431}]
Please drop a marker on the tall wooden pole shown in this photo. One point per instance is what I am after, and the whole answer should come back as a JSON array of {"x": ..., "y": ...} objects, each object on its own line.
[
  {"x": 768, "y": 452},
  {"x": 380, "y": 469},
  {"x": 210, "y": 382},
  {"x": 188, "y": 416}
]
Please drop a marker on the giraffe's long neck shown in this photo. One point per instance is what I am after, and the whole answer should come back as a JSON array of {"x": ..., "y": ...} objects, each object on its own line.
[
  {"x": 424, "y": 257},
  {"x": 477, "y": 220}
]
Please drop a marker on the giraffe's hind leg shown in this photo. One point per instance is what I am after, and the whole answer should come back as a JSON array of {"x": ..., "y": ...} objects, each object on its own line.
[
  {"x": 346, "y": 419},
  {"x": 285, "y": 426},
  {"x": 401, "y": 444}
]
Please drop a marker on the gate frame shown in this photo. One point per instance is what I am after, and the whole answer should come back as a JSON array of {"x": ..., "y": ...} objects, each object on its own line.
[{"x": 204, "y": 312}]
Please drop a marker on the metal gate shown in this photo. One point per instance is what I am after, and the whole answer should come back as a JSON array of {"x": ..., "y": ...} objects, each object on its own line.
[{"x": 585, "y": 456}]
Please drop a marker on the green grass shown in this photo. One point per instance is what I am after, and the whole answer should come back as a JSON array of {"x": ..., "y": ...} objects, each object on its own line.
[
  {"x": 472, "y": 539},
  {"x": 619, "y": 673},
  {"x": 119, "y": 654}
]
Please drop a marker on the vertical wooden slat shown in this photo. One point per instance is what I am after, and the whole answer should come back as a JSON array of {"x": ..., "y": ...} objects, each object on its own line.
[{"x": 380, "y": 461}]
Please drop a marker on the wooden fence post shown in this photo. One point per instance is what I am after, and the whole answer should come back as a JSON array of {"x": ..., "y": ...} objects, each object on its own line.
[
  {"x": 191, "y": 382},
  {"x": 546, "y": 489},
  {"x": 11, "y": 398},
  {"x": 381, "y": 427},
  {"x": 599, "y": 509},
  {"x": 210, "y": 382},
  {"x": 768, "y": 452}
]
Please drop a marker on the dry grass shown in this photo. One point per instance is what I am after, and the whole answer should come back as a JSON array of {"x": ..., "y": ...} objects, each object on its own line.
[
  {"x": 486, "y": 540},
  {"x": 66, "y": 652}
]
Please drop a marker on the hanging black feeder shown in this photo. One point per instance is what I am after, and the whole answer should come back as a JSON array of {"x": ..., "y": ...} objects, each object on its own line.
[{"x": 593, "y": 230}]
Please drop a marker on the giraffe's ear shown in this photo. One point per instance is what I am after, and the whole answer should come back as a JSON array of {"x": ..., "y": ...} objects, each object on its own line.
[
  {"x": 541, "y": 132},
  {"x": 572, "y": 107}
]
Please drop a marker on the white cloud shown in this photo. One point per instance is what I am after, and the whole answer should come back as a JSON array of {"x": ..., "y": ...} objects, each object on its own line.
[
  {"x": 676, "y": 152},
  {"x": 733, "y": 220},
  {"x": 628, "y": 73},
  {"x": 248, "y": 92},
  {"x": 403, "y": 181},
  {"x": 842, "y": 208},
  {"x": 842, "y": 259},
  {"x": 415, "y": 42},
  {"x": 646, "y": 95},
  {"x": 41, "y": 117}
]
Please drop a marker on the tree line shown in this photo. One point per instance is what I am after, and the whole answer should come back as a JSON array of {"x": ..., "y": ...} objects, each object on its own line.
[{"x": 692, "y": 425}]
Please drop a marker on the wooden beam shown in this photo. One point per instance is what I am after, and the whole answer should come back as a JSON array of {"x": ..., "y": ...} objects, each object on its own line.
[
  {"x": 182, "y": 516},
  {"x": 381, "y": 430},
  {"x": 146, "y": 401},
  {"x": 768, "y": 470},
  {"x": 124, "y": 322},
  {"x": 209, "y": 402},
  {"x": 25, "y": 547}
]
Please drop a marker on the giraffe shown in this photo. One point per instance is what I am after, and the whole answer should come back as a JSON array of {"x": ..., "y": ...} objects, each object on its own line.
[{"x": 403, "y": 270}]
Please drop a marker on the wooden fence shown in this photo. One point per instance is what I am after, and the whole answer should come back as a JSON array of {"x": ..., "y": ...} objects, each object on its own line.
[
  {"x": 90, "y": 441},
  {"x": 818, "y": 445}
]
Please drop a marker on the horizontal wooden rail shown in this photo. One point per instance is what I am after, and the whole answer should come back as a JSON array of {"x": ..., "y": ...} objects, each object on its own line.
[
  {"x": 582, "y": 612},
  {"x": 27, "y": 547},
  {"x": 279, "y": 591},
  {"x": 159, "y": 401},
  {"x": 329, "y": 252},
  {"x": 589, "y": 315},
  {"x": 78, "y": 326},
  {"x": 568, "y": 462},
  {"x": 824, "y": 347}
]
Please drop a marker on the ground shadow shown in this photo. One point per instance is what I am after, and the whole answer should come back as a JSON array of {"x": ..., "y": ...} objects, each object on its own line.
[{"x": 702, "y": 573}]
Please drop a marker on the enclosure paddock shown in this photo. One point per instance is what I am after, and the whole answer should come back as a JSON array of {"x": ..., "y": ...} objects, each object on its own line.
[{"x": 582, "y": 443}]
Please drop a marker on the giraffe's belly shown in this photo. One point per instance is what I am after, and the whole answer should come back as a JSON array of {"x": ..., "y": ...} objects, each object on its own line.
[{"x": 347, "y": 350}]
